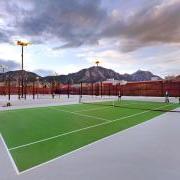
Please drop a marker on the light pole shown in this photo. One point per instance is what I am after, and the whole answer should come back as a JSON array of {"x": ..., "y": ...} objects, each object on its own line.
[{"x": 22, "y": 44}]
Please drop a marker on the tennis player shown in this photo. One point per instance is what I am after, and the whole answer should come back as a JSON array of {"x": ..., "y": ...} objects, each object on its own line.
[
  {"x": 167, "y": 97},
  {"x": 119, "y": 96}
]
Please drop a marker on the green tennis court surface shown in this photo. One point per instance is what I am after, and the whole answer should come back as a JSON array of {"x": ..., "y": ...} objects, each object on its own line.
[{"x": 37, "y": 135}]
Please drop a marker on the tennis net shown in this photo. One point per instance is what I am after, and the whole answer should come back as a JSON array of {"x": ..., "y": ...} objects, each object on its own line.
[{"x": 116, "y": 102}]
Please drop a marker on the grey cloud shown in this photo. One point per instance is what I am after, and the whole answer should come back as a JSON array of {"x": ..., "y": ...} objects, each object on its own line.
[
  {"x": 10, "y": 64},
  {"x": 44, "y": 72},
  {"x": 69, "y": 45},
  {"x": 3, "y": 36},
  {"x": 75, "y": 23},
  {"x": 155, "y": 24}
]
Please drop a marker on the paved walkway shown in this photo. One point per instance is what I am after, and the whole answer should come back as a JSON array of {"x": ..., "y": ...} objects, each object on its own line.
[
  {"x": 41, "y": 102},
  {"x": 149, "y": 151},
  {"x": 7, "y": 171}
]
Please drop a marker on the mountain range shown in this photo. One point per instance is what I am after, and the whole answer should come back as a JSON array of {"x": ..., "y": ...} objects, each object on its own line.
[{"x": 92, "y": 74}]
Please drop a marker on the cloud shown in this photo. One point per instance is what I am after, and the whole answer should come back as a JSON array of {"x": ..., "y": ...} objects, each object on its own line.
[
  {"x": 3, "y": 36},
  {"x": 159, "y": 23},
  {"x": 72, "y": 22},
  {"x": 44, "y": 72},
  {"x": 75, "y": 23},
  {"x": 9, "y": 65}
]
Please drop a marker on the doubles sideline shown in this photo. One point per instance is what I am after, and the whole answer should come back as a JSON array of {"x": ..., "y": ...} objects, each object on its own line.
[
  {"x": 78, "y": 114},
  {"x": 82, "y": 129}
]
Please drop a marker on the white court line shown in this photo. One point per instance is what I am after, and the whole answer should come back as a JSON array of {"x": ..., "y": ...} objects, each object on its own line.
[
  {"x": 9, "y": 155},
  {"x": 95, "y": 117},
  {"x": 92, "y": 109},
  {"x": 78, "y": 149},
  {"x": 71, "y": 132},
  {"x": 78, "y": 114},
  {"x": 52, "y": 160},
  {"x": 110, "y": 106},
  {"x": 78, "y": 130}
]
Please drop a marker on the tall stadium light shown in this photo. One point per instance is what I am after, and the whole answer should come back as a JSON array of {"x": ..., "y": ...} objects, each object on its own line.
[{"x": 22, "y": 44}]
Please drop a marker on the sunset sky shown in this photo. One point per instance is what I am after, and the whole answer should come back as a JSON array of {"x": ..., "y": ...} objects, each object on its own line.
[{"x": 68, "y": 35}]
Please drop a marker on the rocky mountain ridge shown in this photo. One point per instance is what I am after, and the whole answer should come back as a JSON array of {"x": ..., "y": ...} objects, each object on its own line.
[{"x": 92, "y": 74}]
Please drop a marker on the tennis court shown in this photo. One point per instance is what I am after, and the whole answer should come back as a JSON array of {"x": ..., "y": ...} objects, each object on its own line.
[{"x": 38, "y": 135}]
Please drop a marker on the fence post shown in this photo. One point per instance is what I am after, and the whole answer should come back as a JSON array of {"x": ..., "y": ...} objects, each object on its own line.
[
  {"x": 59, "y": 89},
  {"x": 19, "y": 90},
  {"x": 81, "y": 90},
  {"x": 33, "y": 90},
  {"x": 9, "y": 89},
  {"x": 101, "y": 89},
  {"x": 68, "y": 89},
  {"x": 109, "y": 89},
  {"x": 52, "y": 89},
  {"x": 162, "y": 89},
  {"x": 92, "y": 92},
  {"x": 25, "y": 89}
]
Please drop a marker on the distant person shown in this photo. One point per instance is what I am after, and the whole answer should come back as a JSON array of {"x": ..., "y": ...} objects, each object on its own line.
[
  {"x": 179, "y": 99},
  {"x": 80, "y": 98},
  {"x": 53, "y": 95},
  {"x": 119, "y": 96},
  {"x": 167, "y": 97}
]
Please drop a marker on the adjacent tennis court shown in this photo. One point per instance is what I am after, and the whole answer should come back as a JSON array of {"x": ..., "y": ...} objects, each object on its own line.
[{"x": 37, "y": 135}]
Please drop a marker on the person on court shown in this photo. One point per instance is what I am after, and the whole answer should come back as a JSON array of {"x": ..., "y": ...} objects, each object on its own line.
[
  {"x": 167, "y": 97},
  {"x": 119, "y": 96}
]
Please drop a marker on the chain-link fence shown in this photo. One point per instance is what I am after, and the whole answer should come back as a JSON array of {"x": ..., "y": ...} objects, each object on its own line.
[{"x": 149, "y": 88}]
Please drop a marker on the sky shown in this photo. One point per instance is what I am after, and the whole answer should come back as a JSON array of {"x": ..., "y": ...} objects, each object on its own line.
[{"x": 69, "y": 35}]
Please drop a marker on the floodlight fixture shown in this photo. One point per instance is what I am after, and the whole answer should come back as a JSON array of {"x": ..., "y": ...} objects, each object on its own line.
[
  {"x": 21, "y": 43},
  {"x": 97, "y": 63}
]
